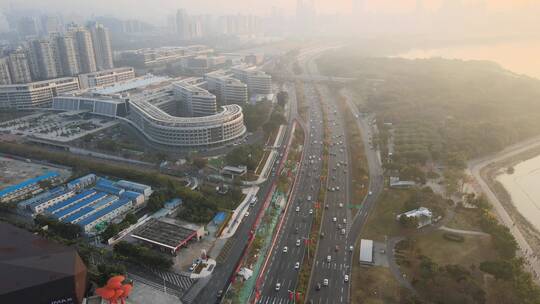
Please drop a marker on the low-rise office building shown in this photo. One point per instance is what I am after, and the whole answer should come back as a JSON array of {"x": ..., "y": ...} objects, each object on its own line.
[
  {"x": 228, "y": 90},
  {"x": 38, "y": 94},
  {"x": 106, "y": 77},
  {"x": 258, "y": 82},
  {"x": 195, "y": 100}
]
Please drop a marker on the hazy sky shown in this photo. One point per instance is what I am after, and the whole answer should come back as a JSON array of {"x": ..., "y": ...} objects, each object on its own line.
[{"x": 155, "y": 10}]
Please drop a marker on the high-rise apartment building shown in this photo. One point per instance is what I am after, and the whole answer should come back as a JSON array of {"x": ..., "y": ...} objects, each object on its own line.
[
  {"x": 65, "y": 50},
  {"x": 182, "y": 24},
  {"x": 102, "y": 46},
  {"x": 50, "y": 24},
  {"x": 42, "y": 59},
  {"x": 5, "y": 77},
  {"x": 19, "y": 67},
  {"x": 85, "y": 49},
  {"x": 27, "y": 27}
]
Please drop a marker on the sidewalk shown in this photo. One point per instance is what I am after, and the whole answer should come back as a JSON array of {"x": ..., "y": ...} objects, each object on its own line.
[{"x": 238, "y": 213}]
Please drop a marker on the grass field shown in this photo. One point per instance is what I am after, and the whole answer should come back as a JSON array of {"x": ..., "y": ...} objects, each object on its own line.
[
  {"x": 374, "y": 285},
  {"x": 382, "y": 221},
  {"x": 466, "y": 219},
  {"x": 474, "y": 250}
]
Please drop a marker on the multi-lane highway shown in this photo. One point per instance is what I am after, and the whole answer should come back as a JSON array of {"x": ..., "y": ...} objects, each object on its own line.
[
  {"x": 334, "y": 256},
  {"x": 281, "y": 272},
  {"x": 220, "y": 278},
  {"x": 339, "y": 228},
  {"x": 329, "y": 276}
]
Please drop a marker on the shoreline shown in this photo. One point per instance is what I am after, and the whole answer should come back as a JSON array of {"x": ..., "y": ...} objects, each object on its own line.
[
  {"x": 490, "y": 173},
  {"x": 482, "y": 170}
]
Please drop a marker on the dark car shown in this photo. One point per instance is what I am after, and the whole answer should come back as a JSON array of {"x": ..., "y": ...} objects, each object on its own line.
[
  {"x": 220, "y": 293},
  {"x": 318, "y": 287}
]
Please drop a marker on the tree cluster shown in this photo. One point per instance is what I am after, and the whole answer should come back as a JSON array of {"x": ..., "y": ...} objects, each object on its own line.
[
  {"x": 141, "y": 255},
  {"x": 113, "y": 229},
  {"x": 256, "y": 115},
  {"x": 277, "y": 118},
  {"x": 64, "y": 230},
  {"x": 248, "y": 155}
]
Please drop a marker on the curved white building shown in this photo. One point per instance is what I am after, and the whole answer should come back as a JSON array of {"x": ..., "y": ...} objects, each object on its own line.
[
  {"x": 154, "y": 105},
  {"x": 206, "y": 131}
]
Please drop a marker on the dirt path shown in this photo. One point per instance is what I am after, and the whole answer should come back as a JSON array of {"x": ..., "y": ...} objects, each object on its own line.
[{"x": 466, "y": 232}]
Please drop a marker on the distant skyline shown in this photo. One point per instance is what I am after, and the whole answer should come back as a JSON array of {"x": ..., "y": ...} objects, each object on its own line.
[{"x": 155, "y": 10}]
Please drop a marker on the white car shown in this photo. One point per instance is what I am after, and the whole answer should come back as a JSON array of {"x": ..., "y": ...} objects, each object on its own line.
[
  {"x": 346, "y": 278},
  {"x": 278, "y": 286},
  {"x": 297, "y": 243},
  {"x": 343, "y": 231},
  {"x": 340, "y": 205},
  {"x": 285, "y": 249},
  {"x": 297, "y": 209},
  {"x": 329, "y": 259},
  {"x": 297, "y": 265},
  {"x": 337, "y": 188},
  {"x": 310, "y": 211},
  {"x": 325, "y": 282},
  {"x": 370, "y": 193},
  {"x": 344, "y": 221},
  {"x": 334, "y": 219},
  {"x": 351, "y": 248}
]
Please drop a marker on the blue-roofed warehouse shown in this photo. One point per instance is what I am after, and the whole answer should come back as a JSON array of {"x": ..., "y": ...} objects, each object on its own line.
[
  {"x": 90, "y": 209},
  {"x": 82, "y": 182},
  {"x": 108, "y": 186},
  {"x": 55, "y": 197},
  {"x": 105, "y": 215},
  {"x": 135, "y": 197},
  {"x": 76, "y": 207},
  {"x": 69, "y": 202},
  {"x": 136, "y": 187},
  {"x": 26, "y": 204},
  {"x": 30, "y": 186}
]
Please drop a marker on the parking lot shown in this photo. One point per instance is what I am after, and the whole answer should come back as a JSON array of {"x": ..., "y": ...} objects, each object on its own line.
[
  {"x": 15, "y": 171},
  {"x": 58, "y": 127}
]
